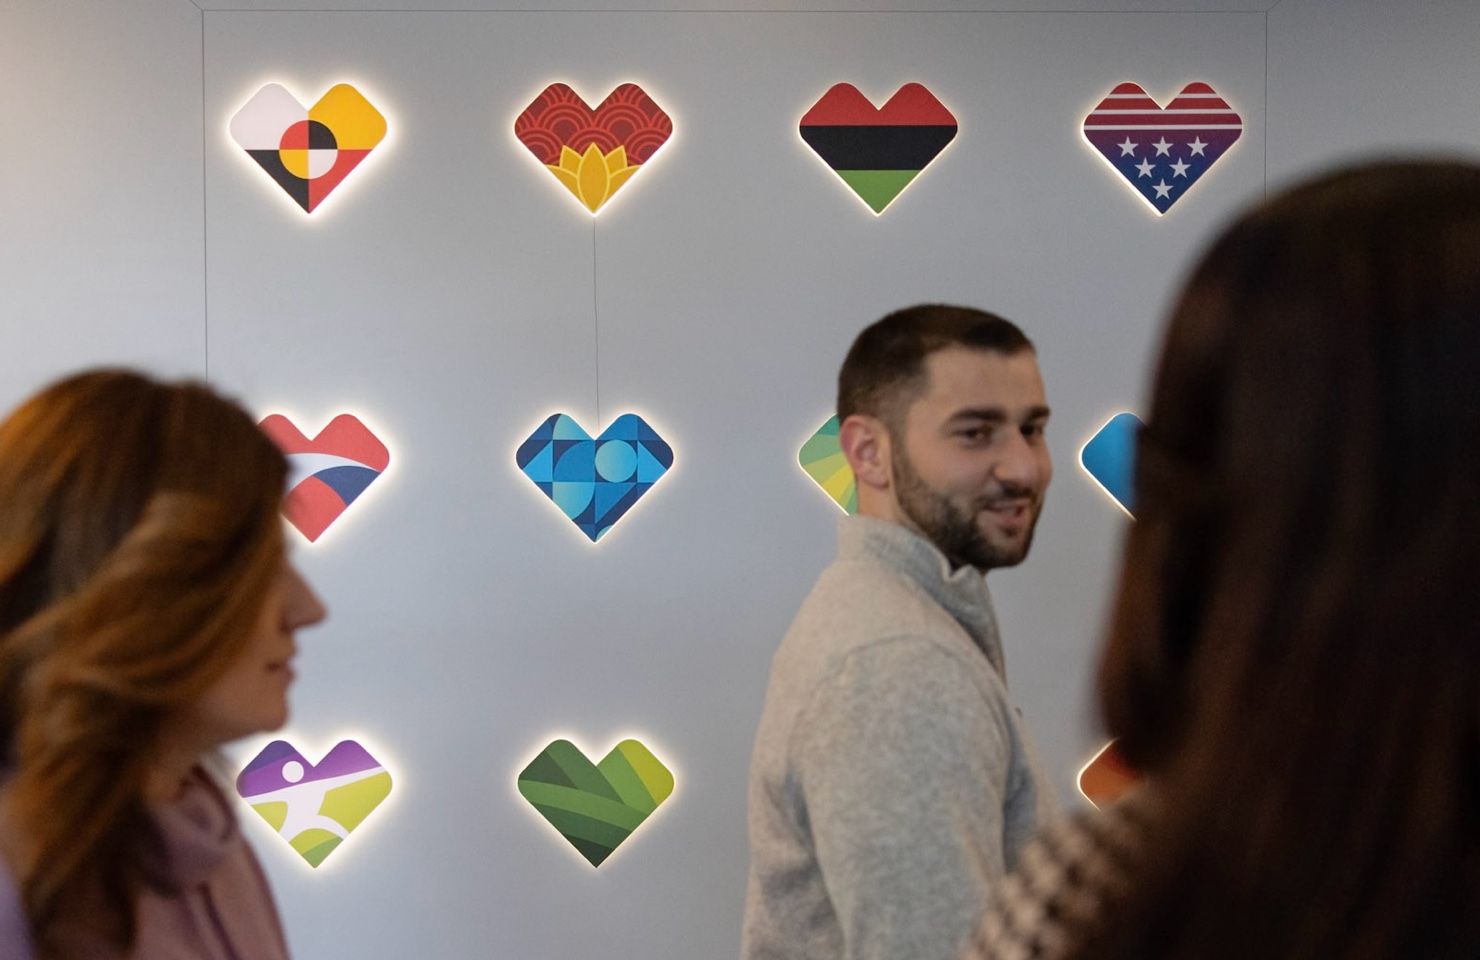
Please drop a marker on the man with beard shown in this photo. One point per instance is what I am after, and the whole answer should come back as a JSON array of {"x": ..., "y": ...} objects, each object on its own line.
[{"x": 891, "y": 783}]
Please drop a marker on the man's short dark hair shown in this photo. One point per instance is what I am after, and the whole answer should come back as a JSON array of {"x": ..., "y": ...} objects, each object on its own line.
[{"x": 885, "y": 367}]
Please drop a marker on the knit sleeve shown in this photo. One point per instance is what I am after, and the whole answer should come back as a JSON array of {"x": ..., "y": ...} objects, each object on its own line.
[{"x": 903, "y": 759}]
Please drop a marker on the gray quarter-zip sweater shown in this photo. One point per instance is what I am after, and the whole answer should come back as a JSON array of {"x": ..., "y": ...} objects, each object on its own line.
[{"x": 892, "y": 783}]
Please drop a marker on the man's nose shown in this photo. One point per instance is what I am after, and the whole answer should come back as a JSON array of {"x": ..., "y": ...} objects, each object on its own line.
[{"x": 1022, "y": 464}]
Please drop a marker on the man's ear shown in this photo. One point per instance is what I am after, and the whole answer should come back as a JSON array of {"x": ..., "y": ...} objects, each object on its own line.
[{"x": 865, "y": 442}]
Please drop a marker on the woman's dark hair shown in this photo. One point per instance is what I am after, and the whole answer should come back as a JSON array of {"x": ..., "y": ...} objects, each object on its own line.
[
  {"x": 139, "y": 534},
  {"x": 1294, "y": 656}
]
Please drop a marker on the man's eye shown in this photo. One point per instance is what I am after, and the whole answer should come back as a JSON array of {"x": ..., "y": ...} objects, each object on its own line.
[{"x": 1033, "y": 430}]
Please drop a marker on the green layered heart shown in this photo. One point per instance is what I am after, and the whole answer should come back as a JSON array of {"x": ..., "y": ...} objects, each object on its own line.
[{"x": 595, "y": 806}]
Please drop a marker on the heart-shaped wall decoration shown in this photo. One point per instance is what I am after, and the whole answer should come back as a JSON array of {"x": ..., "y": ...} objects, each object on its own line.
[
  {"x": 1110, "y": 458},
  {"x": 878, "y": 151},
  {"x": 595, "y": 806},
  {"x": 594, "y": 482},
  {"x": 1107, "y": 777},
  {"x": 308, "y": 152},
  {"x": 314, "y": 807},
  {"x": 822, "y": 459},
  {"x": 1162, "y": 152},
  {"x": 326, "y": 474},
  {"x": 593, "y": 152}
]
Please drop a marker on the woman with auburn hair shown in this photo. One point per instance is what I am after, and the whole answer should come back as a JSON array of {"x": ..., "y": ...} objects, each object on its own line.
[
  {"x": 147, "y": 612},
  {"x": 1294, "y": 655}
]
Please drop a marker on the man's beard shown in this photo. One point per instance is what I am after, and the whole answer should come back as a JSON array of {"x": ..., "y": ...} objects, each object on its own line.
[{"x": 954, "y": 532}]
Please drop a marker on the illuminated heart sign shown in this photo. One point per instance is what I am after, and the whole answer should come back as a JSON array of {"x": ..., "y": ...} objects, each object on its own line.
[
  {"x": 329, "y": 472},
  {"x": 308, "y": 152},
  {"x": 593, "y": 152},
  {"x": 594, "y": 482},
  {"x": 1110, "y": 458},
  {"x": 595, "y": 806},
  {"x": 313, "y": 807},
  {"x": 1107, "y": 777},
  {"x": 878, "y": 151},
  {"x": 1160, "y": 152},
  {"x": 822, "y": 459}
]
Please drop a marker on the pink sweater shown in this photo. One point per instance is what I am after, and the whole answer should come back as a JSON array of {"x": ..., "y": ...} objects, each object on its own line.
[{"x": 206, "y": 898}]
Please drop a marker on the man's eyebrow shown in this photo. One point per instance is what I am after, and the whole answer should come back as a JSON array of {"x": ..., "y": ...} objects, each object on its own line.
[{"x": 997, "y": 414}]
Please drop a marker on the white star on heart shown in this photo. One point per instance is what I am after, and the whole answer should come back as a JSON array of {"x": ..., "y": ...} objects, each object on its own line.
[
  {"x": 1179, "y": 169},
  {"x": 1145, "y": 167},
  {"x": 1197, "y": 147},
  {"x": 1163, "y": 189},
  {"x": 1127, "y": 149},
  {"x": 1162, "y": 147}
]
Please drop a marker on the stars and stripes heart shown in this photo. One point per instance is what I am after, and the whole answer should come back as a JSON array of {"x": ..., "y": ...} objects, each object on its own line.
[{"x": 1162, "y": 152}]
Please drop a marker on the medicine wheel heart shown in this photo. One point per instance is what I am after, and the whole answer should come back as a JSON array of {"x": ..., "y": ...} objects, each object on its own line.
[
  {"x": 878, "y": 151},
  {"x": 593, "y": 152},
  {"x": 314, "y": 808},
  {"x": 1162, "y": 152},
  {"x": 329, "y": 472},
  {"x": 308, "y": 152},
  {"x": 594, "y": 482},
  {"x": 595, "y": 806}
]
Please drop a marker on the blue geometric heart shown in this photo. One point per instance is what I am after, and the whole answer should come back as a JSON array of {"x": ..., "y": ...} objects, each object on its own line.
[
  {"x": 594, "y": 482},
  {"x": 1110, "y": 458}
]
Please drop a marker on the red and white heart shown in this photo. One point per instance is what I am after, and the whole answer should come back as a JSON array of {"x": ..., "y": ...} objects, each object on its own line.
[{"x": 326, "y": 474}]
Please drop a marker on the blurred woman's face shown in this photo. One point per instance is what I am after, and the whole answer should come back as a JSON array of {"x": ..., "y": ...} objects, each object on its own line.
[{"x": 252, "y": 695}]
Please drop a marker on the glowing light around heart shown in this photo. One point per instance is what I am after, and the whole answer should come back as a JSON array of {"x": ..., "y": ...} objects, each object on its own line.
[
  {"x": 593, "y": 152},
  {"x": 328, "y": 473},
  {"x": 1160, "y": 153},
  {"x": 1109, "y": 457},
  {"x": 821, "y": 459},
  {"x": 594, "y": 481},
  {"x": 319, "y": 808},
  {"x": 1105, "y": 777},
  {"x": 878, "y": 152},
  {"x": 596, "y": 806},
  {"x": 309, "y": 153}
]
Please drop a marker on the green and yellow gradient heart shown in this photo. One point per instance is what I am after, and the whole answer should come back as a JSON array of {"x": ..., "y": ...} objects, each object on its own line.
[
  {"x": 595, "y": 806},
  {"x": 822, "y": 459}
]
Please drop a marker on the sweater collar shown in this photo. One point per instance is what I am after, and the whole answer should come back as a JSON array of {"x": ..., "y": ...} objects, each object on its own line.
[
  {"x": 194, "y": 834},
  {"x": 961, "y": 592}
]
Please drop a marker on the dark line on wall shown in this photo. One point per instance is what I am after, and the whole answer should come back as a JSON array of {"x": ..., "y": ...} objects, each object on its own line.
[
  {"x": 205, "y": 220},
  {"x": 596, "y": 325}
]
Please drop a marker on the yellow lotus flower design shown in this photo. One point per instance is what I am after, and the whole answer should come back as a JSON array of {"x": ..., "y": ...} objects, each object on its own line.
[{"x": 593, "y": 176}]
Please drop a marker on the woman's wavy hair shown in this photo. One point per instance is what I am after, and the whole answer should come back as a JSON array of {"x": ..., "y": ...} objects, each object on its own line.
[
  {"x": 139, "y": 534},
  {"x": 1294, "y": 654}
]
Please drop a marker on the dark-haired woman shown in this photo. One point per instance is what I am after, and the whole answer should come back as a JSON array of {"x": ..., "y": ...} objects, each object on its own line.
[
  {"x": 147, "y": 616},
  {"x": 1294, "y": 658}
]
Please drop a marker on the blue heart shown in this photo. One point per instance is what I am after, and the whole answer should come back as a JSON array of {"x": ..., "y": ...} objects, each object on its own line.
[
  {"x": 594, "y": 482},
  {"x": 1110, "y": 458}
]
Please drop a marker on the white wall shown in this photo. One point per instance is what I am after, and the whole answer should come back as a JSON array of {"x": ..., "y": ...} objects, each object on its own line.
[{"x": 453, "y": 297}]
